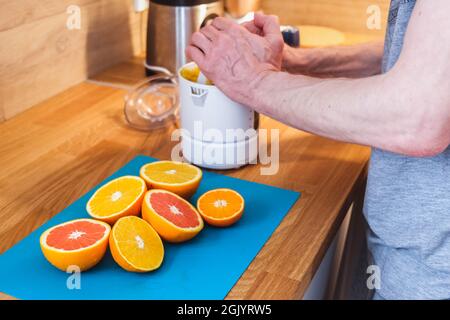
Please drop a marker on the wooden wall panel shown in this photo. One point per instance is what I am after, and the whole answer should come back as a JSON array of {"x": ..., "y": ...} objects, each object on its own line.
[
  {"x": 40, "y": 56},
  {"x": 345, "y": 15}
]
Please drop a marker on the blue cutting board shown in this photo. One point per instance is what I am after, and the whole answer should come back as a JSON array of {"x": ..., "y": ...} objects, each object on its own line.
[{"x": 206, "y": 267}]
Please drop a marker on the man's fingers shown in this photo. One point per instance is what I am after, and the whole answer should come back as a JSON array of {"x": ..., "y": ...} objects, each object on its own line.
[
  {"x": 250, "y": 26},
  {"x": 271, "y": 29},
  {"x": 222, "y": 23},
  {"x": 201, "y": 41},
  {"x": 268, "y": 23},
  {"x": 196, "y": 55},
  {"x": 210, "y": 32}
]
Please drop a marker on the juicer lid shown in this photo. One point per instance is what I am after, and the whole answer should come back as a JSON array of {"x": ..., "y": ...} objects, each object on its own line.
[{"x": 153, "y": 103}]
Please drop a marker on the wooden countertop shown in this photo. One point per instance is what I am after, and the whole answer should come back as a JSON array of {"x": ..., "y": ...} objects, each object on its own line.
[{"x": 55, "y": 152}]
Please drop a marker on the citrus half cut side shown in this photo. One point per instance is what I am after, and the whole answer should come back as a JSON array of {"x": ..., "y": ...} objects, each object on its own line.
[
  {"x": 221, "y": 207},
  {"x": 178, "y": 177},
  {"x": 135, "y": 245},
  {"x": 81, "y": 243},
  {"x": 174, "y": 218},
  {"x": 118, "y": 198}
]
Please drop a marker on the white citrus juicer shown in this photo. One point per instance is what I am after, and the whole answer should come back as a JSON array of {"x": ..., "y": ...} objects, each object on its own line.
[{"x": 216, "y": 132}]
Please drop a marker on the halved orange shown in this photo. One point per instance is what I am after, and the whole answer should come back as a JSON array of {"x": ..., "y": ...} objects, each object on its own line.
[
  {"x": 118, "y": 198},
  {"x": 178, "y": 177},
  {"x": 175, "y": 219},
  {"x": 221, "y": 207},
  {"x": 80, "y": 243},
  {"x": 135, "y": 245}
]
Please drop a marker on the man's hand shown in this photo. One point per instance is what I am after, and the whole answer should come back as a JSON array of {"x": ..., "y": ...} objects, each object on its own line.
[
  {"x": 233, "y": 58},
  {"x": 268, "y": 27}
]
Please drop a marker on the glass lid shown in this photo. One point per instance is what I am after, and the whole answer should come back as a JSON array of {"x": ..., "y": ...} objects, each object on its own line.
[{"x": 153, "y": 103}]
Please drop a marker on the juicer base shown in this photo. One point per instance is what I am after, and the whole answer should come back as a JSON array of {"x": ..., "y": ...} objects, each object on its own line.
[{"x": 220, "y": 156}]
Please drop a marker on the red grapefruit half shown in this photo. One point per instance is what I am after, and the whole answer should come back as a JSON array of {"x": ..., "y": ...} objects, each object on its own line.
[
  {"x": 174, "y": 218},
  {"x": 81, "y": 243}
]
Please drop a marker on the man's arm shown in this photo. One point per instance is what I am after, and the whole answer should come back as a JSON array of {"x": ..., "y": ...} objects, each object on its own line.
[
  {"x": 355, "y": 61},
  {"x": 405, "y": 111}
]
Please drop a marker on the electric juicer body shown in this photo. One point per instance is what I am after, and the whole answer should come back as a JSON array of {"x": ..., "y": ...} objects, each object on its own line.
[{"x": 217, "y": 132}]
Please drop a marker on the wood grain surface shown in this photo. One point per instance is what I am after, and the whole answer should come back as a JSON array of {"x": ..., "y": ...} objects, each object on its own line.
[
  {"x": 40, "y": 56},
  {"x": 344, "y": 15},
  {"x": 53, "y": 153}
]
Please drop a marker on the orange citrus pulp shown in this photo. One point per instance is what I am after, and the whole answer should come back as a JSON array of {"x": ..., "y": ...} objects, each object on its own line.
[
  {"x": 118, "y": 198},
  {"x": 178, "y": 177},
  {"x": 221, "y": 207},
  {"x": 135, "y": 245}
]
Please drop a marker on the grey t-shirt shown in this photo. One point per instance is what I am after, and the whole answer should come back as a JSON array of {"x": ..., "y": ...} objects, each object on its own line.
[{"x": 407, "y": 204}]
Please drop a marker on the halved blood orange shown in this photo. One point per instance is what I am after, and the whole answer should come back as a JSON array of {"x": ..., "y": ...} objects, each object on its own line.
[
  {"x": 178, "y": 177},
  {"x": 80, "y": 243},
  {"x": 175, "y": 219},
  {"x": 135, "y": 245},
  {"x": 118, "y": 198},
  {"x": 221, "y": 207}
]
